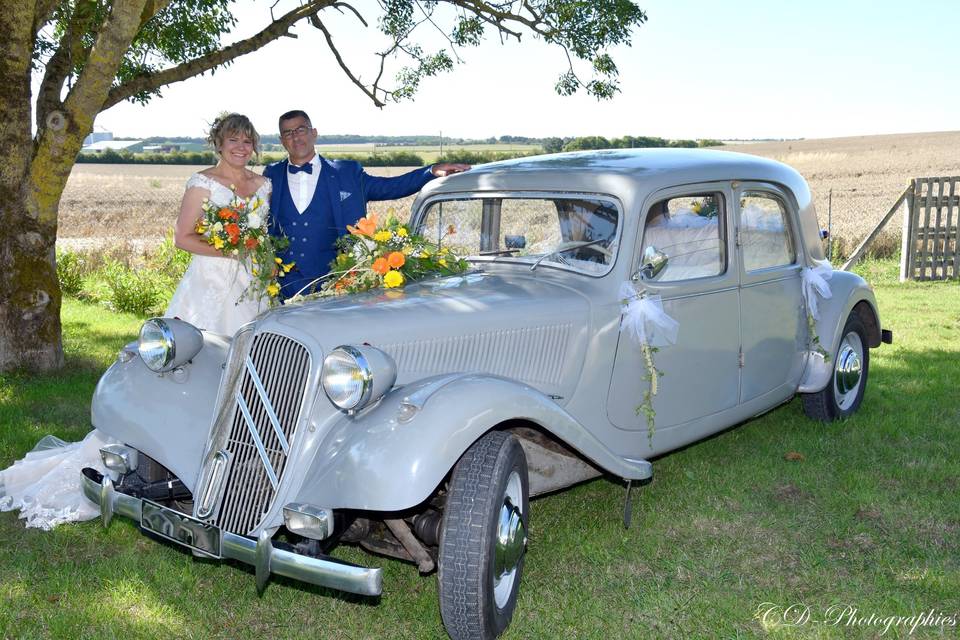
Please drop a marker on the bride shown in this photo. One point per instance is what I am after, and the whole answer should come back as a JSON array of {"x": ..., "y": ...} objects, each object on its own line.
[
  {"x": 209, "y": 294},
  {"x": 45, "y": 484}
]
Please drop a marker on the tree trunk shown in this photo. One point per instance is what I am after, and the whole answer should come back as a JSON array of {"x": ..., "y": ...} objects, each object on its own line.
[
  {"x": 29, "y": 291},
  {"x": 34, "y": 172}
]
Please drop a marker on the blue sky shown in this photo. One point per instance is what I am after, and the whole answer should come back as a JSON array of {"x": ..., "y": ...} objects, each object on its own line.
[{"x": 737, "y": 69}]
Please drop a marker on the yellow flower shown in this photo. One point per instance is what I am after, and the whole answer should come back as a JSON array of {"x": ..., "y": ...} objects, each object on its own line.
[
  {"x": 273, "y": 289},
  {"x": 442, "y": 262},
  {"x": 382, "y": 236},
  {"x": 277, "y": 260},
  {"x": 217, "y": 242},
  {"x": 402, "y": 232},
  {"x": 393, "y": 279},
  {"x": 286, "y": 267}
]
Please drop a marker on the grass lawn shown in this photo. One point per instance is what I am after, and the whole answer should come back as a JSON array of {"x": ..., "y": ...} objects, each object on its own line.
[{"x": 866, "y": 515}]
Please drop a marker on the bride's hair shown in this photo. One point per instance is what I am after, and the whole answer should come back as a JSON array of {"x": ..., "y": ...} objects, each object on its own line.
[{"x": 228, "y": 124}]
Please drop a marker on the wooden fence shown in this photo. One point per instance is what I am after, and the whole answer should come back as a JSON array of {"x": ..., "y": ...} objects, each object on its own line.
[{"x": 930, "y": 250}]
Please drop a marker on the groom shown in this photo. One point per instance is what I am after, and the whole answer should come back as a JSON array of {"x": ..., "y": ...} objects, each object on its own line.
[{"x": 314, "y": 199}]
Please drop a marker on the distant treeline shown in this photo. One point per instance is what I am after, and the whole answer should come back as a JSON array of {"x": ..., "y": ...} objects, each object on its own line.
[
  {"x": 556, "y": 145},
  {"x": 550, "y": 145},
  {"x": 389, "y": 159},
  {"x": 404, "y": 158}
]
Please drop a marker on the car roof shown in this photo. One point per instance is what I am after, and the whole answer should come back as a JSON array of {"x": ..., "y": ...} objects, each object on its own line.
[{"x": 618, "y": 171}]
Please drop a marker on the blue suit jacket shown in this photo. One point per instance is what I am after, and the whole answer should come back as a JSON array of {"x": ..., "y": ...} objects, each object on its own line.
[{"x": 343, "y": 190}]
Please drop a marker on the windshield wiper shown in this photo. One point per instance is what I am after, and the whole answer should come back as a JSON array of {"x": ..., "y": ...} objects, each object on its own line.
[{"x": 573, "y": 245}]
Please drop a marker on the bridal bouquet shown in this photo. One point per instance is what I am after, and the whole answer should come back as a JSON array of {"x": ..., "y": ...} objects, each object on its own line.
[
  {"x": 239, "y": 228},
  {"x": 388, "y": 256}
]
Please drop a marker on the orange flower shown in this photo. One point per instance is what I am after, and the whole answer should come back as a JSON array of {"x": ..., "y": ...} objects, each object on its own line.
[
  {"x": 252, "y": 243},
  {"x": 366, "y": 226},
  {"x": 233, "y": 230},
  {"x": 395, "y": 260},
  {"x": 225, "y": 214},
  {"x": 381, "y": 266}
]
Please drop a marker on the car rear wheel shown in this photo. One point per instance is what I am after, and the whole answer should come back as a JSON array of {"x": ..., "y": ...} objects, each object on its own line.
[
  {"x": 851, "y": 363},
  {"x": 483, "y": 538}
]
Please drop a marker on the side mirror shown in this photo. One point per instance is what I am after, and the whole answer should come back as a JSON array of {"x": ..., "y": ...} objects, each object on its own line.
[{"x": 654, "y": 261}]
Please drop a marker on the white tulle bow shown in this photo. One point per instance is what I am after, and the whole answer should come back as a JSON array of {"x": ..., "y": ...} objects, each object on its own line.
[
  {"x": 645, "y": 320},
  {"x": 815, "y": 284}
]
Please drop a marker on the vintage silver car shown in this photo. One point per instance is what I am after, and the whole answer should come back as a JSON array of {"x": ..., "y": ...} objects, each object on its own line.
[{"x": 417, "y": 423}]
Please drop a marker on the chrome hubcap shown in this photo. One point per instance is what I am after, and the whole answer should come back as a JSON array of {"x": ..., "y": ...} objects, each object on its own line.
[
  {"x": 848, "y": 370},
  {"x": 511, "y": 541}
]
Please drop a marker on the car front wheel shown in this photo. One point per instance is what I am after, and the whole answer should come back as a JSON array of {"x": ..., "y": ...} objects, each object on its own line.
[
  {"x": 483, "y": 538},
  {"x": 851, "y": 363}
]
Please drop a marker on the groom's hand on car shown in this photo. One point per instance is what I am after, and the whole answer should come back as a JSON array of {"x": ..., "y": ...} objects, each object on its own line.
[{"x": 448, "y": 168}]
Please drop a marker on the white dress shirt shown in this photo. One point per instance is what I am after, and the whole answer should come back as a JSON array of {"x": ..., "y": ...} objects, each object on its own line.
[{"x": 302, "y": 185}]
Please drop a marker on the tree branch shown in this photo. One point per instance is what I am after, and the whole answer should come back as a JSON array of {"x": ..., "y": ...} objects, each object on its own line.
[
  {"x": 494, "y": 15},
  {"x": 43, "y": 11},
  {"x": 371, "y": 93},
  {"x": 155, "y": 80},
  {"x": 67, "y": 56},
  {"x": 443, "y": 33}
]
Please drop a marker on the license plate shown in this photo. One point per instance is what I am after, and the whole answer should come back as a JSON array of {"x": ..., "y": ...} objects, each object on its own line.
[{"x": 181, "y": 528}]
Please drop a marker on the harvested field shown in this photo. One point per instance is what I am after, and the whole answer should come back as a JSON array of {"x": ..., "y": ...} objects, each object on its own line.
[
  {"x": 867, "y": 175},
  {"x": 135, "y": 205}
]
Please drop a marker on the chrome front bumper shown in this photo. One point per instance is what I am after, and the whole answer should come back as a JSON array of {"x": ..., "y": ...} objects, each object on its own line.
[{"x": 259, "y": 553}]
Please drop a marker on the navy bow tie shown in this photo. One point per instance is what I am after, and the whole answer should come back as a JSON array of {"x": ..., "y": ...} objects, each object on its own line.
[{"x": 307, "y": 168}]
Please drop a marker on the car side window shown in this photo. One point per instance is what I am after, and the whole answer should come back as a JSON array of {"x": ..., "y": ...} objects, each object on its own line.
[
  {"x": 765, "y": 238},
  {"x": 689, "y": 232}
]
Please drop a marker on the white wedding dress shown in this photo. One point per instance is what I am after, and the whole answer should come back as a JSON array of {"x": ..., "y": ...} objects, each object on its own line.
[
  {"x": 45, "y": 485},
  {"x": 208, "y": 296}
]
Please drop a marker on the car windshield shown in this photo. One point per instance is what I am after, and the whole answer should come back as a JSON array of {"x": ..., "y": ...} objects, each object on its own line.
[{"x": 574, "y": 233}]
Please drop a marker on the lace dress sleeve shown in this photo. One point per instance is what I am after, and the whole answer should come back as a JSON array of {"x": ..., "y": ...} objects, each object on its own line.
[
  {"x": 199, "y": 180},
  {"x": 266, "y": 188}
]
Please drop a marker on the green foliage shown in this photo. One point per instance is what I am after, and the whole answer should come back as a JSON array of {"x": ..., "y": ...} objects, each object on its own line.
[
  {"x": 169, "y": 262},
  {"x": 626, "y": 142},
  {"x": 480, "y": 157},
  {"x": 390, "y": 159},
  {"x": 71, "y": 268},
  {"x": 136, "y": 291},
  {"x": 109, "y": 156},
  {"x": 553, "y": 145},
  {"x": 585, "y": 29},
  {"x": 588, "y": 142}
]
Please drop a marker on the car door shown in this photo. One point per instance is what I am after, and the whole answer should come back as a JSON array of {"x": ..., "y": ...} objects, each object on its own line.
[
  {"x": 699, "y": 287},
  {"x": 772, "y": 316}
]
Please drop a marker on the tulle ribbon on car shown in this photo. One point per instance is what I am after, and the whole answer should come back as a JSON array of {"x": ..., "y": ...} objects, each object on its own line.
[
  {"x": 815, "y": 284},
  {"x": 645, "y": 320}
]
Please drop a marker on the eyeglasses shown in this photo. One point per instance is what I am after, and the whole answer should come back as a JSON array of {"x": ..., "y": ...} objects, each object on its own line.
[{"x": 286, "y": 134}]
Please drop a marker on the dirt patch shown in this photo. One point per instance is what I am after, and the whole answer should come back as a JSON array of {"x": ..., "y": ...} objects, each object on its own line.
[{"x": 791, "y": 494}]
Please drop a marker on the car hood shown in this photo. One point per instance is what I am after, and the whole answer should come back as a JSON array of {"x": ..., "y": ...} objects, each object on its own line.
[{"x": 522, "y": 327}]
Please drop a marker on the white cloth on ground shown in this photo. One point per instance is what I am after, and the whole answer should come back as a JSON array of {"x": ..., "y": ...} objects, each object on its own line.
[{"x": 45, "y": 485}]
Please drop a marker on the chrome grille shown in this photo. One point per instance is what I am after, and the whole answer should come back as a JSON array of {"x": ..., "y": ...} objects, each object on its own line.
[{"x": 267, "y": 404}]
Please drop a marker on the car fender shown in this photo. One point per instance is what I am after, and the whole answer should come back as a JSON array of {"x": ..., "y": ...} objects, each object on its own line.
[
  {"x": 166, "y": 416},
  {"x": 848, "y": 290},
  {"x": 376, "y": 461}
]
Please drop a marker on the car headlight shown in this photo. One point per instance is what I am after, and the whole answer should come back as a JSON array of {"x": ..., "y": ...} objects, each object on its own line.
[
  {"x": 167, "y": 343},
  {"x": 353, "y": 377}
]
